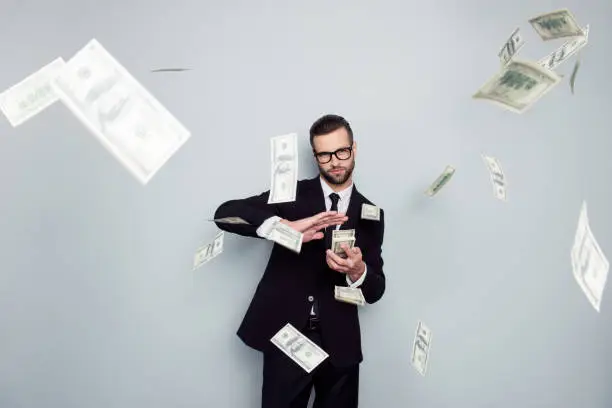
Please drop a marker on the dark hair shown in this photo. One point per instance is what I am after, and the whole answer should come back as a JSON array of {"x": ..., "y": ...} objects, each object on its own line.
[{"x": 327, "y": 124}]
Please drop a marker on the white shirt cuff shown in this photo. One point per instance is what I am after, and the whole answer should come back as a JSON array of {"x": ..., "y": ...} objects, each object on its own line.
[
  {"x": 359, "y": 281},
  {"x": 266, "y": 227}
]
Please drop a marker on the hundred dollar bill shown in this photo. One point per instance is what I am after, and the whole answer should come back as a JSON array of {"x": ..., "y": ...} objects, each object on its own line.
[
  {"x": 286, "y": 236},
  {"x": 340, "y": 237},
  {"x": 589, "y": 264},
  {"x": 556, "y": 24},
  {"x": 370, "y": 212},
  {"x": 127, "y": 120},
  {"x": 511, "y": 47},
  {"x": 573, "y": 77},
  {"x": 440, "y": 181},
  {"x": 498, "y": 179},
  {"x": 565, "y": 51},
  {"x": 349, "y": 295},
  {"x": 231, "y": 220},
  {"x": 420, "y": 348},
  {"x": 518, "y": 86},
  {"x": 207, "y": 252},
  {"x": 303, "y": 351},
  {"x": 32, "y": 95},
  {"x": 284, "y": 157}
]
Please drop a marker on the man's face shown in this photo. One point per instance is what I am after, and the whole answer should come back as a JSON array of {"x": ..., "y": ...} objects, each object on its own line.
[{"x": 336, "y": 171}]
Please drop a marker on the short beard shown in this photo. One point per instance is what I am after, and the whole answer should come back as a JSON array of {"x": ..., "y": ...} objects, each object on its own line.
[{"x": 335, "y": 181}]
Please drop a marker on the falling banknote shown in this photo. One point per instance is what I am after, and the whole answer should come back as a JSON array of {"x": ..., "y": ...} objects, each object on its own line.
[
  {"x": 32, "y": 95},
  {"x": 573, "y": 77},
  {"x": 346, "y": 294},
  {"x": 303, "y": 351},
  {"x": 286, "y": 236},
  {"x": 127, "y": 120},
  {"x": 511, "y": 47},
  {"x": 518, "y": 85},
  {"x": 370, "y": 212},
  {"x": 230, "y": 220},
  {"x": 556, "y": 24},
  {"x": 420, "y": 348},
  {"x": 440, "y": 181},
  {"x": 589, "y": 264},
  {"x": 566, "y": 50},
  {"x": 340, "y": 237},
  {"x": 207, "y": 252},
  {"x": 284, "y": 158},
  {"x": 498, "y": 179}
]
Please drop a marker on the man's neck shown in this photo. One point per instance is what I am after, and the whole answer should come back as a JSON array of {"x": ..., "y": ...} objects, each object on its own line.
[{"x": 338, "y": 187}]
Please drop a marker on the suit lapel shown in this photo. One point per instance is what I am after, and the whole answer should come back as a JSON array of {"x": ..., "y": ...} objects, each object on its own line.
[{"x": 314, "y": 195}]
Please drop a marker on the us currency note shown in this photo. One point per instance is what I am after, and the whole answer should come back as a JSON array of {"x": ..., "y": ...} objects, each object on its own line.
[
  {"x": 511, "y": 47},
  {"x": 349, "y": 295},
  {"x": 207, "y": 252},
  {"x": 32, "y": 95},
  {"x": 518, "y": 86},
  {"x": 420, "y": 348},
  {"x": 127, "y": 120},
  {"x": 440, "y": 181},
  {"x": 284, "y": 157},
  {"x": 231, "y": 220},
  {"x": 340, "y": 237},
  {"x": 498, "y": 179},
  {"x": 303, "y": 351},
  {"x": 370, "y": 212},
  {"x": 556, "y": 24},
  {"x": 589, "y": 264},
  {"x": 573, "y": 77},
  {"x": 565, "y": 51},
  {"x": 286, "y": 236}
]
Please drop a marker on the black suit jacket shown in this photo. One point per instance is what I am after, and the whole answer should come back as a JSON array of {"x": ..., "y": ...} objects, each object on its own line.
[{"x": 285, "y": 289}]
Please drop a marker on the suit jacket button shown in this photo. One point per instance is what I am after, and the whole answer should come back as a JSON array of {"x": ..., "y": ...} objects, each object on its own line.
[{"x": 310, "y": 298}]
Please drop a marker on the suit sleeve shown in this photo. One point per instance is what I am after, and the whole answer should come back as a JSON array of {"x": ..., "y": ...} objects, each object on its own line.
[
  {"x": 255, "y": 210},
  {"x": 373, "y": 286}
]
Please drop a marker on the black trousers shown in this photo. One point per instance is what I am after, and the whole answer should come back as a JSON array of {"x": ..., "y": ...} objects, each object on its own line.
[{"x": 287, "y": 385}]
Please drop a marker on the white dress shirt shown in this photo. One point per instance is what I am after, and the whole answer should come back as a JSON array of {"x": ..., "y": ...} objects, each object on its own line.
[{"x": 343, "y": 204}]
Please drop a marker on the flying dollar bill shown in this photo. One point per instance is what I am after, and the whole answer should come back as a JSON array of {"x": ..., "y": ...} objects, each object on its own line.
[
  {"x": 207, "y": 252},
  {"x": 573, "y": 77},
  {"x": 511, "y": 47},
  {"x": 127, "y": 120},
  {"x": 556, "y": 24},
  {"x": 286, "y": 236},
  {"x": 32, "y": 95},
  {"x": 565, "y": 51},
  {"x": 349, "y": 295},
  {"x": 370, "y": 212},
  {"x": 498, "y": 179},
  {"x": 440, "y": 181},
  {"x": 420, "y": 348},
  {"x": 231, "y": 220},
  {"x": 518, "y": 85},
  {"x": 284, "y": 158},
  {"x": 299, "y": 348},
  {"x": 589, "y": 264}
]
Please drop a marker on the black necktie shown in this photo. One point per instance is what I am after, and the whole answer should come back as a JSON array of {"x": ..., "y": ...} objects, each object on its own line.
[{"x": 328, "y": 231}]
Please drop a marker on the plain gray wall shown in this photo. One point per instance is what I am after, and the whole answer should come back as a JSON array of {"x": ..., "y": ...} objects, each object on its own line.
[{"x": 98, "y": 303}]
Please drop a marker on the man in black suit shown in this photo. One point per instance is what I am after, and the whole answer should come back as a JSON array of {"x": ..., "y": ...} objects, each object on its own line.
[{"x": 299, "y": 288}]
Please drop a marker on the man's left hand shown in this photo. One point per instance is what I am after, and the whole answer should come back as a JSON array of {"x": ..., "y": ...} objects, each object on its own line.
[{"x": 353, "y": 265}]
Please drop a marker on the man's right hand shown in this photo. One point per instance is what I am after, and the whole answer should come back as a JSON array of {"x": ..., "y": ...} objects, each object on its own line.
[{"x": 311, "y": 226}]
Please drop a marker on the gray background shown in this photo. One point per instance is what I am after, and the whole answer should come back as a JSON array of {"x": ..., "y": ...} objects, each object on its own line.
[{"x": 98, "y": 303}]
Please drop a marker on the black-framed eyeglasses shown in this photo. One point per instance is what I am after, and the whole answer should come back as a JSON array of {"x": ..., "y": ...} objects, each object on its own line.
[{"x": 343, "y": 153}]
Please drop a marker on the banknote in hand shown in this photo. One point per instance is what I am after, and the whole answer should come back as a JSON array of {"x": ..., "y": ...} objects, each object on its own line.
[{"x": 340, "y": 237}]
